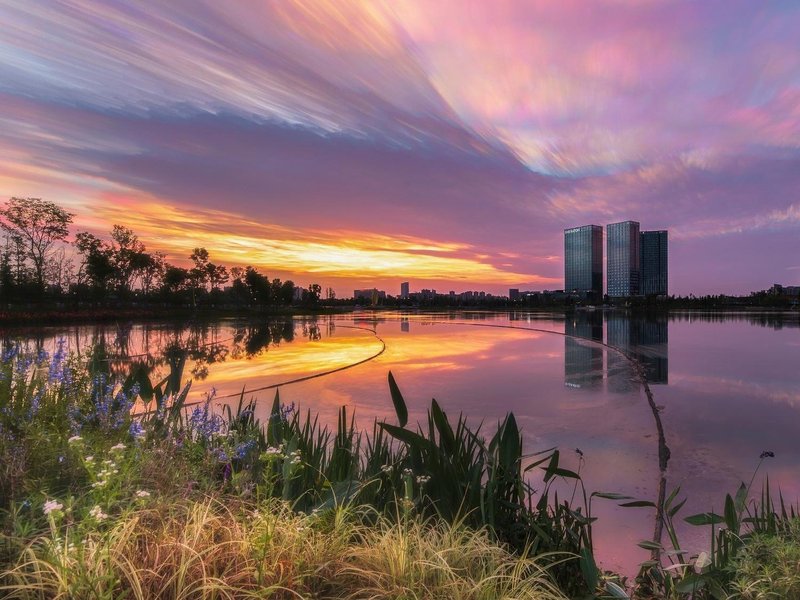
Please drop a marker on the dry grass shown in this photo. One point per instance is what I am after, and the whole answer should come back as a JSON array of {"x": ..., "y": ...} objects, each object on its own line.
[{"x": 194, "y": 550}]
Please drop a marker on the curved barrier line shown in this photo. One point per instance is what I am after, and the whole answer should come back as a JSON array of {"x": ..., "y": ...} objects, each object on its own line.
[{"x": 315, "y": 375}]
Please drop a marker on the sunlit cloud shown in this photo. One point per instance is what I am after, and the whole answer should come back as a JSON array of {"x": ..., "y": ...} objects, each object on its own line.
[{"x": 339, "y": 253}]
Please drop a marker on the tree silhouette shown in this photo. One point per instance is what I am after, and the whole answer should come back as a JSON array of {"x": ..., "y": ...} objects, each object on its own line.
[{"x": 35, "y": 225}]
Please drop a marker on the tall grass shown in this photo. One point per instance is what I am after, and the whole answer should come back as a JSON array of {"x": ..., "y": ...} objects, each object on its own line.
[{"x": 207, "y": 549}]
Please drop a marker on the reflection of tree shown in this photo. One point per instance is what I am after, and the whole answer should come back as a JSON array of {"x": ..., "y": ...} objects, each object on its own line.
[
  {"x": 153, "y": 354},
  {"x": 774, "y": 320}
]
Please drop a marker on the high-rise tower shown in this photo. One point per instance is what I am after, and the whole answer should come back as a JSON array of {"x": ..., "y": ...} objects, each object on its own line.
[
  {"x": 583, "y": 261},
  {"x": 653, "y": 280},
  {"x": 622, "y": 249}
]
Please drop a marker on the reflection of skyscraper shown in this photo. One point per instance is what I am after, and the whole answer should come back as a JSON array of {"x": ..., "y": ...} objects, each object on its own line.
[
  {"x": 404, "y": 325},
  {"x": 622, "y": 250},
  {"x": 654, "y": 263},
  {"x": 645, "y": 340},
  {"x": 583, "y": 260},
  {"x": 583, "y": 362},
  {"x": 619, "y": 369},
  {"x": 652, "y": 348}
]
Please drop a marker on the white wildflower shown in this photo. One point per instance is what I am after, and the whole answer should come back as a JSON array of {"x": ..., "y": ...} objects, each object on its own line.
[
  {"x": 74, "y": 438},
  {"x": 97, "y": 513},
  {"x": 386, "y": 468},
  {"x": 422, "y": 479},
  {"x": 99, "y": 483},
  {"x": 52, "y": 505},
  {"x": 119, "y": 446},
  {"x": 142, "y": 494},
  {"x": 89, "y": 459}
]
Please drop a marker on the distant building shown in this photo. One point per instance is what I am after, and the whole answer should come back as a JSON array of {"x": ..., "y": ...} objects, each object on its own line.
[
  {"x": 373, "y": 295},
  {"x": 623, "y": 259},
  {"x": 404, "y": 290},
  {"x": 513, "y": 294},
  {"x": 784, "y": 290},
  {"x": 653, "y": 263},
  {"x": 583, "y": 260}
]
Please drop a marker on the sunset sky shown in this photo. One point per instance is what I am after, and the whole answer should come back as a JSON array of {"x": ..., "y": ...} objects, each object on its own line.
[{"x": 444, "y": 142}]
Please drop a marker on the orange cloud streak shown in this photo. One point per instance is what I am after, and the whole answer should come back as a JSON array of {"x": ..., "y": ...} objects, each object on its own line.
[{"x": 233, "y": 239}]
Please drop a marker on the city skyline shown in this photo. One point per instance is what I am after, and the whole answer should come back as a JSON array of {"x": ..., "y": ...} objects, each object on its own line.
[{"x": 346, "y": 144}]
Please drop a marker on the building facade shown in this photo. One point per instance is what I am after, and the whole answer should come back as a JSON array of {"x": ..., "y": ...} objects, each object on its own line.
[
  {"x": 583, "y": 260},
  {"x": 404, "y": 290},
  {"x": 623, "y": 259},
  {"x": 654, "y": 263}
]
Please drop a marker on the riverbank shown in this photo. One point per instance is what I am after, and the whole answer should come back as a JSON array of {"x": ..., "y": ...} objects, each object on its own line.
[{"x": 77, "y": 315}]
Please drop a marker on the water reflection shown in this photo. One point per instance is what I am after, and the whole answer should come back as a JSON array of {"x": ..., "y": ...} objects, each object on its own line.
[
  {"x": 643, "y": 338},
  {"x": 583, "y": 363}
]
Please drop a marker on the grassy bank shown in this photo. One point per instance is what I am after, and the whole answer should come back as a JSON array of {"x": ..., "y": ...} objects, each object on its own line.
[{"x": 190, "y": 503}]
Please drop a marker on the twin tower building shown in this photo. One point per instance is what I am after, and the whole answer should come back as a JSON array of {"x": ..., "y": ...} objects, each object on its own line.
[{"x": 636, "y": 261}]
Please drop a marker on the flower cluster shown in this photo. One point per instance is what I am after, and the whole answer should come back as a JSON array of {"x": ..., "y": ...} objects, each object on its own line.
[
  {"x": 203, "y": 424},
  {"x": 110, "y": 407},
  {"x": 109, "y": 469},
  {"x": 243, "y": 449},
  {"x": 273, "y": 452},
  {"x": 52, "y": 506},
  {"x": 97, "y": 513}
]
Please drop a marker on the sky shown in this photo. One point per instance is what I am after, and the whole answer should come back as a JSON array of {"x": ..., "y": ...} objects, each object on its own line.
[{"x": 449, "y": 143}]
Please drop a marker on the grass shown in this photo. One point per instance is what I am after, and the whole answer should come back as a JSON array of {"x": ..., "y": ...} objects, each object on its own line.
[
  {"x": 210, "y": 549},
  {"x": 768, "y": 566}
]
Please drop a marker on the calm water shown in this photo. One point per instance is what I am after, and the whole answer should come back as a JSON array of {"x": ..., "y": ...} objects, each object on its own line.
[{"x": 727, "y": 387}]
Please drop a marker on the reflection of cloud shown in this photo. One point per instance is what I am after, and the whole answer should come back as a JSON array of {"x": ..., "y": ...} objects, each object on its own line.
[
  {"x": 425, "y": 349},
  {"x": 296, "y": 359},
  {"x": 740, "y": 387}
]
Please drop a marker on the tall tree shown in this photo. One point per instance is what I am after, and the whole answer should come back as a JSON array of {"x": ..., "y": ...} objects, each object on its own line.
[
  {"x": 127, "y": 256},
  {"x": 97, "y": 267},
  {"x": 39, "y": 224}
]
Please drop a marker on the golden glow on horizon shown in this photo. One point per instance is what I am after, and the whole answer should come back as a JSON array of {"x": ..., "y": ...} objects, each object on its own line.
[{"x": 232, "y": 239}]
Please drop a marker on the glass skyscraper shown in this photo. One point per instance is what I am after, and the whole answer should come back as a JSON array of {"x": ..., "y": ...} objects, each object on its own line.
[
  {"x": 622, "y": 249},
  {"x": 583, "y": 260},
  {"x": 653, "y": 280}
]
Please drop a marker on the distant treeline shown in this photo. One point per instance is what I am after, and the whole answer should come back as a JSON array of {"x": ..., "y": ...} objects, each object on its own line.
[{"x": 37, "y": 265}]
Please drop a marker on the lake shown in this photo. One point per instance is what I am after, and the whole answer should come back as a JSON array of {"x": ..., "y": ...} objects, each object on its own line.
[{"x": 725, "y": 386}]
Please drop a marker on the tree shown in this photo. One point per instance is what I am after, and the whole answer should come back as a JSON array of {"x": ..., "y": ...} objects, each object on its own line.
[
  {"x": 152, "y": 272},
  {"x": 311, "y": 295},
  {"x": 258, "y": 285},
  {"x": 175, "y": 279},
  {"x": 38, "y": 224},
  {"x": 128, "y": 257},
  {"x": 287, "y": 292},
  {"x": 97, "y": 266}
]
